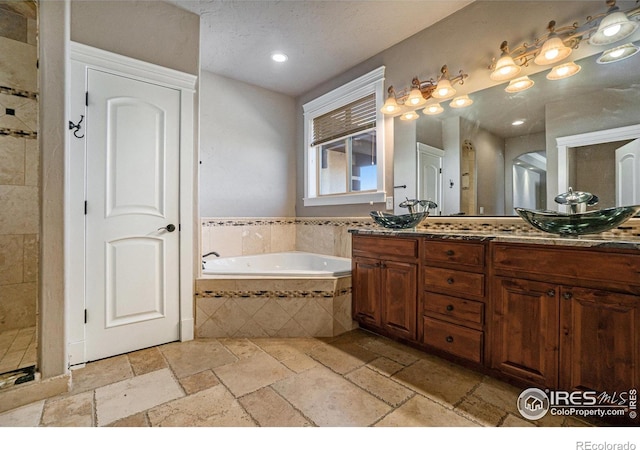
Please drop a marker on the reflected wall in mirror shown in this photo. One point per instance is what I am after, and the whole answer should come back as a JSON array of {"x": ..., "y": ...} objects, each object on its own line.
[
  {"x": 599, "y": 97},
  {"x": 19, "y": 193}
]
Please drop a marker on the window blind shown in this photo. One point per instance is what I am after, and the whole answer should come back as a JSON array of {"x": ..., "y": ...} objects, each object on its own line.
[{"x": 352, "y": 118}]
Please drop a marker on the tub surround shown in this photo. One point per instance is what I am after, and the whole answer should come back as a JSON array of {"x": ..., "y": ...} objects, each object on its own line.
[{"x": 274, "y": 307}]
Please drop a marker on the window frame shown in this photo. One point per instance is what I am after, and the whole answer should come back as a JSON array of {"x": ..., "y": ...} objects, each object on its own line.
[{"x": 370, "y": 83}]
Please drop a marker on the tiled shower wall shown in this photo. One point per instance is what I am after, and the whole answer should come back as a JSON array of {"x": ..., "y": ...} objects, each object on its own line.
[{"x": 19, "y": 160}]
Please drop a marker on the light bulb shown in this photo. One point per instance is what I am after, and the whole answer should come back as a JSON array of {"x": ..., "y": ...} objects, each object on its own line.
[{"x": 612, "y": 30}]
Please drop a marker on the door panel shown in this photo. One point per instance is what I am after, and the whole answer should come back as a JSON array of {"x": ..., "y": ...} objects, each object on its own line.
[
  {"x": 135, "y": 179},
  {"x": 525, "y": 345},
  {"x": 132, "y": 194},
  {"x": 400, "y": 285},
  {"x": 628, "y": 174},
  {"x": 366, "y": 291}
]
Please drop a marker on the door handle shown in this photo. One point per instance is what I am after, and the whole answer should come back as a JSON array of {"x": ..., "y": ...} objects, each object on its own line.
[{"x": 170, "y": 228}]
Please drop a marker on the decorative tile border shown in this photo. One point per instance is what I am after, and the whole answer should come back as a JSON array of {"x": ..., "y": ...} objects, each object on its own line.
[
  {"x": 272, "y": 294},
  {"x": 478, "y": 224},
  {"x": 18, "y": 133},
  {"x": 333, "y": 221},
  {"x": 18, "y": 92}
]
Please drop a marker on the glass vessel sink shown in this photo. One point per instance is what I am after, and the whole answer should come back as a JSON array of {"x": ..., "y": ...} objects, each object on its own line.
[
  {"x": 402, "y": 221},
  {"x": 574, "y": 224}
]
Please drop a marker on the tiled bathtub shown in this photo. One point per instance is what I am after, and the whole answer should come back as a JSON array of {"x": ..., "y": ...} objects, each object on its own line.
[{"x": 273, "y": 307}]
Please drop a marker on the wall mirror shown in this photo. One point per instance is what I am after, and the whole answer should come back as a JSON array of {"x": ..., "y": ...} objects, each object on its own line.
[{"x": 513, "y": 139}]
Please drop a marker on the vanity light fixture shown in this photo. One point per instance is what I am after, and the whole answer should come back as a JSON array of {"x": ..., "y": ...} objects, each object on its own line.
[
  {"x": 432, "y": 110},
  {"x": 617, "y": 54},
  {"x": 563, "y": 71},
  {"x": 415, "y": 97},
  {"x": 391, "y": 104},
  {"x": 421, "y": 91},
  {"x": 519, "y": 84},
  {"x": 614, "y": 27},
  {"x": 461, "y": 102},
  {"x": 553, "y": 49},
  {"x": 506, "y": 68},
  {"x": 558, "y": 42},
  {"x": 409, "y": 115}
]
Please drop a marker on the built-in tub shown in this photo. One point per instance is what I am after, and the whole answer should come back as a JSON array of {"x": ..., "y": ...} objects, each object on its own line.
[
  {"x": 288, "y": 294},
  {"x": 284, "y": 264}
]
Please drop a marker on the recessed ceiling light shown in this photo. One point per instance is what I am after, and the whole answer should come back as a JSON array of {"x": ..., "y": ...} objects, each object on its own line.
[
  {"x": 515, "y": 123},
  {"x": 279, "y": 57}
]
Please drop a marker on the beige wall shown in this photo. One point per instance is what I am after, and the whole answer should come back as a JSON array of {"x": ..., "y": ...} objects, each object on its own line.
[
  {"x": 247, "y": 150},
  {"x": 152, "y": 31},
  {"x": 19, "y": 171}
]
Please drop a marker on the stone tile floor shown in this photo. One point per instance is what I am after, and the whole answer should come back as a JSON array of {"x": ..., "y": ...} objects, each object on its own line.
[
  {"x": 17, "y": 349},
  {"x": 357, "y": 379}
]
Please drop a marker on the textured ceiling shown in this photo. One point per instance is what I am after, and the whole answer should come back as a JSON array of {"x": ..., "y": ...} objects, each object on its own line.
[{"x": 322, "y": 38}]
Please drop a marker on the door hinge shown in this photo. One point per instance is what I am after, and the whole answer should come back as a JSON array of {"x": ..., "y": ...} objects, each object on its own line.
[
  {"x": 85, "y": 316},
  {"x": 440, "y": 170},
  {"x": 86, "y": 98},
  {"x": 179, "y": 227},
  {"x": 85, "y": 207}
]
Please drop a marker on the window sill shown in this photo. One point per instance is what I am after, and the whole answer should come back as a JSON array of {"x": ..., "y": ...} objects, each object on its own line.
[{"x": 346, "y": 199}]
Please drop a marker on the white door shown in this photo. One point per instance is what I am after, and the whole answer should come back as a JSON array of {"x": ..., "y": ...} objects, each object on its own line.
[
  {"x": 132, "y": 194},
  {"x": 430, "y": 175},
  {"x": 628, "y": 174}
]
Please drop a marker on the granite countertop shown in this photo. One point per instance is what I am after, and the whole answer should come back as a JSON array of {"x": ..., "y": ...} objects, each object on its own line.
[{"x": 596, "y": 241}]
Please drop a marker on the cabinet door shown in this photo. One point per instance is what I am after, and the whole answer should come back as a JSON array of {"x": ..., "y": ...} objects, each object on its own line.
[
  {"x": 366, "y": 291},
  {"x": 399, "y": 298},
  {"x": 599, "y": 340},
  {"x": 525, "y": 341}
]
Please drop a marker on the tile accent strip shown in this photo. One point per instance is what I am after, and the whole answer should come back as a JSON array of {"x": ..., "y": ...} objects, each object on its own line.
[
  {"x": 513, "y": 225},
  {"x": 18, "y": 92},
  {"x": 18, "y": 133},
  {"x": 272, "y": 294}
]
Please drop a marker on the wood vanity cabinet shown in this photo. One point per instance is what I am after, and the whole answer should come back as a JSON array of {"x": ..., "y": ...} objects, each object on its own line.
[
  {"x": 566, "y": 317},
  {"x": 385, "y": 284},
  {"x": 452, "y": 297}
]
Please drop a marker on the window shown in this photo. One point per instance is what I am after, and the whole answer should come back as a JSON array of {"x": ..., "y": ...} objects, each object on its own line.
[{"x": 344, "y": 144}]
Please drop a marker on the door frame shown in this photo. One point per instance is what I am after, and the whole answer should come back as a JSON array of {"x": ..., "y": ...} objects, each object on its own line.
[
  {"x": 82, "y": 58},
  {"x": 591, "y": 138}
]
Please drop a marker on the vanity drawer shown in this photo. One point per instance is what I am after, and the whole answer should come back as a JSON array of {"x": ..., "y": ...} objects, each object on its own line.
[
  {"x": 453, "y": 308},
  {"x": 568, "y": 263},
  {"x": 449, "y": 281},
  {"x": 454, "y": 339},
  {"x": 467, "y": 254},
  {"x": 385, "y": 246}
]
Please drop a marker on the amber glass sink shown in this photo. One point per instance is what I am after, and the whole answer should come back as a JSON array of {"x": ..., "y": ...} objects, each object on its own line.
[
  {"x": 398, "y": 222},
  {"x": 590, "y": 222}
]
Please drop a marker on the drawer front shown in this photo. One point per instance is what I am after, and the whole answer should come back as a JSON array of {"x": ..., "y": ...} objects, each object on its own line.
[
  {"x": 453, "y": 307},
  {"x": 453, "y": 281},
  {"x": 385, "y": 246},
  {"x": 454, "y": 339},
  {"x": 468, "y": 254},
  {"x": 568, "y": 263}
]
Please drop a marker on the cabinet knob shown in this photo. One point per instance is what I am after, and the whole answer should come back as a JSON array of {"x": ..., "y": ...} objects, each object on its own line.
[
  {"x": 449, "y": 307},
  {"x": 551, "y": 293},
  {"x": 450, "y": 280},
  {"x": 450, "y": 252},
  {"x": 567, "y": 295},
  {"x": 449, "y": 339}
]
